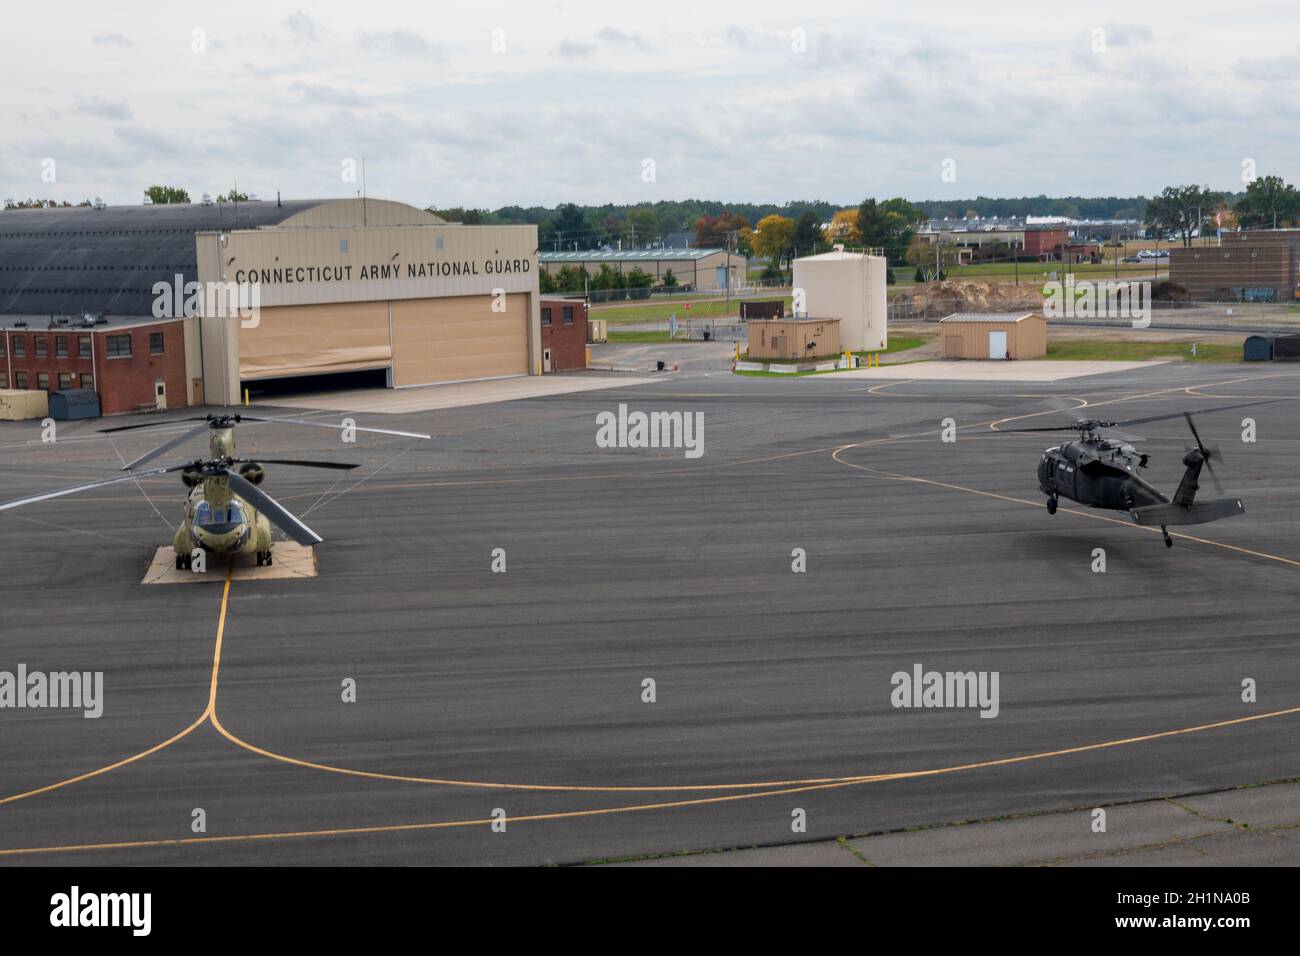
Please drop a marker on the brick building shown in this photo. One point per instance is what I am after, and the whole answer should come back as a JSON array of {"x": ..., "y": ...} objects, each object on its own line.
[
  {"x": 1248, "y": 266},
  {"x": 132, "y": 364},
  {"x": 564, "y": 334}
]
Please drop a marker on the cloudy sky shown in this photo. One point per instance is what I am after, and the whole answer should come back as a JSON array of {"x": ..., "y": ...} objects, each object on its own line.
[{"x": 485, "y": 104}]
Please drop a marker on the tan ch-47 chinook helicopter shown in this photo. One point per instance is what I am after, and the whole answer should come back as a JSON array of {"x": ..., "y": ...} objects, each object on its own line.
[{"x": 226, "y": 514}]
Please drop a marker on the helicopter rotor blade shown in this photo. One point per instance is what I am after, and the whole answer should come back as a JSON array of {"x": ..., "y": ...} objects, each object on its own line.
[
  {"x": 165, "y": 446},
  {"x": 1199, "y": 411},
  {"x": 280, "y": 516},
  {"x": 170, "y": 421},
  {"x": 1195, "y": 434},
  {"x": 1052, "y": 428},
  {"x": 134, "y": 476},
  {"x": 301, "y": 463},
  {"x": 299, "y": 421}
]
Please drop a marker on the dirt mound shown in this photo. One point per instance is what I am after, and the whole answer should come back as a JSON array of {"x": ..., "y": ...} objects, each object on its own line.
[{"x": 967, "y": 295}]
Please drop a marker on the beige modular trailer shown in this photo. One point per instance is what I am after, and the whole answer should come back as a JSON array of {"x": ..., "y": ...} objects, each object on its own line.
[
  {"x": 849, "y": 286},
  {"x": 990, "y": 336},
  {"x": 18, "y": 405},
  {"x": 793, "y": 338}
]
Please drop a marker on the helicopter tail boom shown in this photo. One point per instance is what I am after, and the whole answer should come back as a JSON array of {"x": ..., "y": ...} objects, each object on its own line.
[{"x": 1198, "y": 512}]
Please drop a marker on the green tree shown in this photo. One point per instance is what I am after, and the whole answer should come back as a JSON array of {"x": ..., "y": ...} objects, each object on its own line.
[
  {"x": 638, "y": 283},
  {"x": 567, "y": 225},
  {"x": 606, "y": 284},
  {"x": 233, "y": 196},
  {"x": 670, "y": 280},
  {"x": 807, "y": 234},
  {"x": 571, "y": 279},
  {"x": 889, "y": 225},
  {"x": 545, "y": 282},
  {"x": 1181, "y": 210},
  {"x": 1270, "y": 201},
  {"x": 643, "y": 225},
  {"x": 468, "y": 217},
  {"x": 161, "y": 195}
]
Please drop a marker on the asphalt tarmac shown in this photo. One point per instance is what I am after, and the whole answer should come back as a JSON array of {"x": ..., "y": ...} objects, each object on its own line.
[{"x": 520, "y": 696}]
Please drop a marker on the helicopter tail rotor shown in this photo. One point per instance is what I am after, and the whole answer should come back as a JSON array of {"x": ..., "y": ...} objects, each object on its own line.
[{"x": 1208, "y": 454}]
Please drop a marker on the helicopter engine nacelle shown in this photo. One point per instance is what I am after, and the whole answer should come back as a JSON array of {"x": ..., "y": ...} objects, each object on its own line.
[{"x": 252, "y": 472}]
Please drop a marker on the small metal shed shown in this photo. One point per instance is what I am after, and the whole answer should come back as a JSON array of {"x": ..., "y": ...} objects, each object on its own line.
[
  {"x": 1286, "y": 348},
  {"x": 1258, "y": 348},
  {"x": 976, "y": 335},
  {"x": 74, "y": 403}
]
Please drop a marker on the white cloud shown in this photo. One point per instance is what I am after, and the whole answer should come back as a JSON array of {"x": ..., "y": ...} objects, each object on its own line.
[{"x": 716, "y": 94}]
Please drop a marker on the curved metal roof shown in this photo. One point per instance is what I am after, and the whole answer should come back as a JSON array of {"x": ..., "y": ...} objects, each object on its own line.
[{"x": 80, "y": 259}]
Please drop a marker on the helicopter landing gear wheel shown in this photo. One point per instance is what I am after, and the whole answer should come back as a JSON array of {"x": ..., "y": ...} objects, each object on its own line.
[
  {"x": 1169, "y": 542},
  {"x": 264, "y": 559},
  {"x": 1051, "y": 505}
]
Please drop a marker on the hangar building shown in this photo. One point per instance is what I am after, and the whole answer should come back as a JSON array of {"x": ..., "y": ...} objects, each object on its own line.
[{"x": 341, "y": 285}]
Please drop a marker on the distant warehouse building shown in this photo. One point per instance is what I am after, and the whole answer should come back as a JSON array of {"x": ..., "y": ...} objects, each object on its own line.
[
  {"x": 971, "y": 335},
  {"x": 696, "y": 270},
  {"x": 350, "y": 285},
  {"x": 1261, "y": 265}
]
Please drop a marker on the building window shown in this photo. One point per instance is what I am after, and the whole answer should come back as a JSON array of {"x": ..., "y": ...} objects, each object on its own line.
[
  {"x": 4, "y": 379},
  {"x": 87, "y": 380},
  {"x": 42, "y": 346},
  {"x": 568, "y": 315},
  {"x": 155, "y": 343},
  {"x": 119, "y": 345},
  {"x": 20, "y": 379},
  {"x": 43, "y": 381},
  {"x": 83, "y": 346},
  {"x": 61, "y": 346},
  {"x": 546, "y": 316},
  {"x": 65, "y": 381},
  {"x": 2, "y": 345},
  {"x": 20, "y": 347}
]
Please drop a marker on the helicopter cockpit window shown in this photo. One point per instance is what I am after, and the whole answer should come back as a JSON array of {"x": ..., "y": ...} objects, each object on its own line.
[{"x": 218, "y": 519}]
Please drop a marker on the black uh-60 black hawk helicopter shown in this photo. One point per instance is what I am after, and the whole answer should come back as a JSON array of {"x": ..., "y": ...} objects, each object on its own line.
[{"x": 1105, "y": 472}]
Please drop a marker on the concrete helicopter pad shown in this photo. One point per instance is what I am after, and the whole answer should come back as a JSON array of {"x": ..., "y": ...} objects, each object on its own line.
[{"x": 291, "y": 560}]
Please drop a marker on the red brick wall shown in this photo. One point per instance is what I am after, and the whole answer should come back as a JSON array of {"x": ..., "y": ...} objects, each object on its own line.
[
  {"x": 1039, "y": 242},
  {"x": 126, "y": 383},
  {"x": 122, "y": 383},
  {"x": 568, "y": 343},
  {"x": 52, "y": 363}
]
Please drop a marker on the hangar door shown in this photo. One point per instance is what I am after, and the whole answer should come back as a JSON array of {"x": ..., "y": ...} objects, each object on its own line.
[
  {"x": 315, "y": 339},
  {"x": 458, "y": 338}
]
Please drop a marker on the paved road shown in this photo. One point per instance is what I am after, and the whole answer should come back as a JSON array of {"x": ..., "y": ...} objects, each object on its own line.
[{"x": 772, "y": 689}]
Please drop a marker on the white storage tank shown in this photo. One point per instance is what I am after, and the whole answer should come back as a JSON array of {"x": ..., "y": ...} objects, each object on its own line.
[{"x": 849, "y": 286}]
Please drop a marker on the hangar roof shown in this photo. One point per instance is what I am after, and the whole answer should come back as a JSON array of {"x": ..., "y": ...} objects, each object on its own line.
[{"x": 71, "y": 260}]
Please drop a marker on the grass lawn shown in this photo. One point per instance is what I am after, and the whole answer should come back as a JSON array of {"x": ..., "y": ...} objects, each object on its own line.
[
  {"x": 660, "y": 310},
  {"x": 1087, "y": 350}
]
